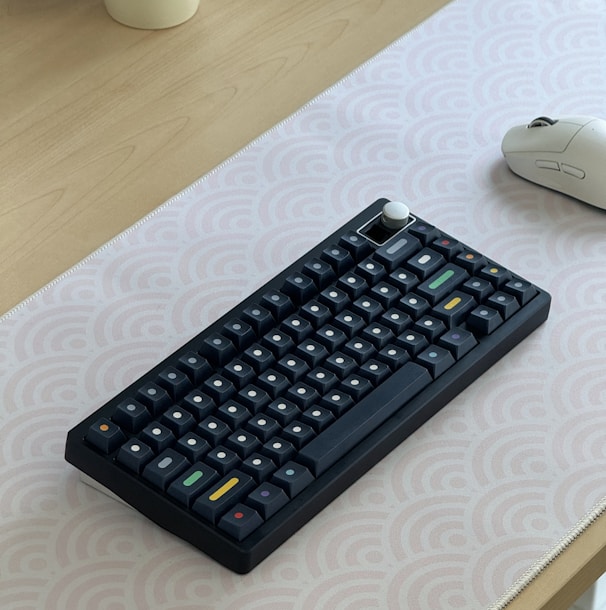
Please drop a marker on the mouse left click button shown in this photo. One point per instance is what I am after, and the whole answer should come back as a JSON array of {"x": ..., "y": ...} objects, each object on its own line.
[{"x": 544, "y": 164}]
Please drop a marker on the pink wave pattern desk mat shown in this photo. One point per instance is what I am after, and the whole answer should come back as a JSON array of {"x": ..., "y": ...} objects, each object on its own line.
[{"x": 465, "y": 506}]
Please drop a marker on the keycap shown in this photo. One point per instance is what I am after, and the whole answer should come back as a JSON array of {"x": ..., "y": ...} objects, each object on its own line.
[
  {"x": 192, "y": 483},
  {"x": 165, "y": 467},
  {"x": 267, "y": 499},
  {"x": 240, "y": 521},
  {"x": 222, "y": 495},
  {"x": 364, "y": 417},
  {"x": 292, "y": 478}
]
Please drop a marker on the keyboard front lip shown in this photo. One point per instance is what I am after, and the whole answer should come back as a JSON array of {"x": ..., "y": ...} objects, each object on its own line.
[{"x": 241, "y": 557}]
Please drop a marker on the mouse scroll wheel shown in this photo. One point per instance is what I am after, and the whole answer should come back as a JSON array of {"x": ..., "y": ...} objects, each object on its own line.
[{"x": 542, "y": 121}]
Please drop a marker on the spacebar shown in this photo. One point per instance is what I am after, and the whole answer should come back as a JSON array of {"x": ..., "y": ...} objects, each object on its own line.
[{"x": 356, "y": 424}]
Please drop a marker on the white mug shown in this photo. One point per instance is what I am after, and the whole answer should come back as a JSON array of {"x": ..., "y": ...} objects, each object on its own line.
[{"x": 151, "y": 14}]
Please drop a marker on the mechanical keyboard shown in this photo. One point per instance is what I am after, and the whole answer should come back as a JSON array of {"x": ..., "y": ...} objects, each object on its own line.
[{"x": 243, "y": 434}]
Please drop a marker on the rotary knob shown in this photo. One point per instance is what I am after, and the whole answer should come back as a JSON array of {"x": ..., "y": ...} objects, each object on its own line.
[{"x": 395, "y": 215}]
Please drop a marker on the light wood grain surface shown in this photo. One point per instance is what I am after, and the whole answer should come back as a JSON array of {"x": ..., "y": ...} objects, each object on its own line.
[{"x": 100, "y": 123}]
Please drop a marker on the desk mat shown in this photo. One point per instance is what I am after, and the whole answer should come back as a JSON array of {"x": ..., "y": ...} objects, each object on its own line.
[{"x": 464, "y": 507}]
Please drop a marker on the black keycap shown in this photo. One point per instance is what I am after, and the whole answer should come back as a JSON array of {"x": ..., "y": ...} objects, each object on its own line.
[
  {"x": 397, "y": 250},
  {"x": 259, "y": 318},
  {"x": 233, "y": 414},
  {"x": 425, "y": 232},
  {"x": 278, "y": 304},
  {"x": 364, "y": 417},
  {"x": 524, "y": 291},
  {"x": 175, "y": 382},
  {"x": 131, "y": 415},
  {"x": 425, "y": 262},
  {"x": 239, "y": 333},
  {"x": 436, "y": 359},
  {"x": 312, "y": 352},
  {"x": 193, "y": 447},
  {"x": 244, "y": 443},
  {"x": 331, "y": 337},
  {"x": 302, "y": 395},
  {"x": 506, "y": 304},
  {"x": 222, "y": 495},
  {"x": 470, "y": 260},
  {"x": 239, "y": 373},
  {"x": 134, "y": 455},
  {"x": 253, "y": 398},
  {"x": 386, "y": 294},
  {"x": 447, "y": 246},
  {"x": 213, "y": 430},
  {"x": 495, "y": 274},
  {"x": 478, "y": 288},
  {"x": 414, "y": 305},
  {"x": 454, "y": 308},
  {"x": 164, "y": 468},
  {"x": 334, "y": 298},
  {"x": 297, "y": 327},
  {"x": 258, "y": 357},
  {"x": 293, "y": 367},
  {"x": 267, "y": 499},
  {"x": 178, "y": 420},
  {"x": 338, "y": 258},
  {"x": 297, "y": 433},
  {"x": 299, "y": 287},
  {"x": 393, "y": 356},
  {"x": 442, "y": 283},
  {"x": 218, "y": 388},
  {"x": 192, "y": 483},
  {"x": 378, "y": 335},
  {"x": 316, "y": 313},
  {"x": 157, "y": 436},
  {"x": 222, "y": 459},
  {"x": 320, "y": 272},
  {"x": 412, "y": 341},
  {"x": 154, "y": 397},
  {"x": 367, "y": 308},
  {"x": 322, "y": 380},
  {"x": 195, "y": 367},
  {"x": 357, "y": 245},
  {"x": 340, "y": 364},
  {"x": 396, "y": 320},
  {"x": 278, "y": 343},
  {"x": 337, "y": 402},
  {"x": 459, "y": 341},
  {"x": 484, "y": 320},
  {"x": 240, "y": 521},
  {"x": 200, "y": 405},
  {"x": 273, "y": 383},
  {"x": 371, "y": 270},
  {"x": 431, "y": 327},
  {"x": 353, "y": 285},
  {"x": 319, "y": 418},
  {"x": 217, "y": 349},
  {"x": 263, "y": 427},
  {"x": 278, "y": 450},
  {"x": 359, "y": 349},
  {"x": 356, "y": 386},
  {"x": 350, "y": 323},
  {"x": 292, "y": 478},
  {"x": 283, "y": 411},
  {"x": 375, "y": 371},
  {"x": 403, "y": 279},
  {"x": 258, "y": 466}
]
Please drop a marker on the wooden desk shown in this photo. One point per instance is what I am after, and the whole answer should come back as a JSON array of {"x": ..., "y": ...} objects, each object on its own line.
[{"x": 101, "y": 123}]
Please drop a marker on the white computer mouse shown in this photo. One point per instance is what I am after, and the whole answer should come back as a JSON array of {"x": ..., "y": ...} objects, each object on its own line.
[{"x": 566, "y": 154}]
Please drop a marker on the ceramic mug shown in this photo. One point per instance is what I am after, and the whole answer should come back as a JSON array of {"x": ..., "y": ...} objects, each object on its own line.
[{"x": 151, "y": 14}]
